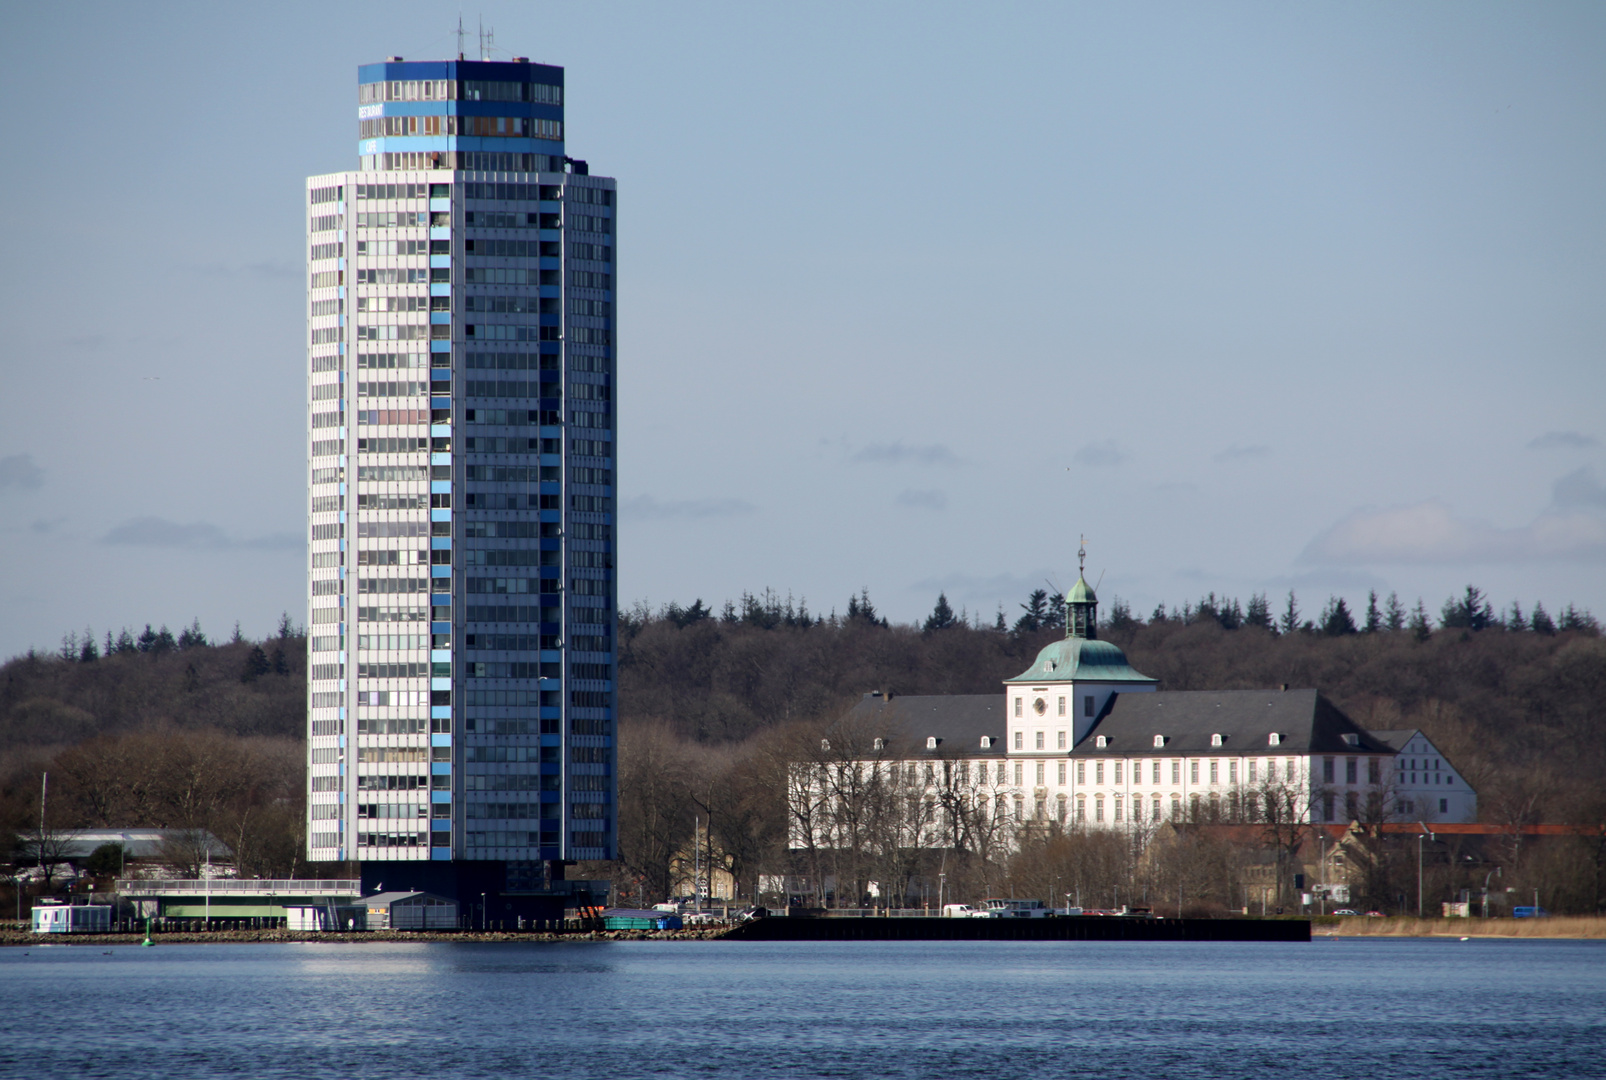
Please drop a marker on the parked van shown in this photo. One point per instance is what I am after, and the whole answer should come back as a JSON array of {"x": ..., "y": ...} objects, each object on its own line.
[{"x": 963, "y": 911}]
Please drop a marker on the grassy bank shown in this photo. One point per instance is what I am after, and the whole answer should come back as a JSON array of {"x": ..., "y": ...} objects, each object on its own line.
[{"x": 1567, "y": 926}]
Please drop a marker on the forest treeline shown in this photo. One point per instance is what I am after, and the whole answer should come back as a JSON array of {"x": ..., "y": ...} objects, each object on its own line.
[
  {"x": 713, "y": 702},
  {"x": 716, "y": 703}
]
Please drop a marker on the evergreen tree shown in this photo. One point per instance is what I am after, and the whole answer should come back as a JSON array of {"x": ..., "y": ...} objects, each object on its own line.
[
  {"x": 147, "y": 640},
  {"x": 1120, "y": 616},
  {"x": 191, "y": 636},
  {"x": 1394, "y": 614},
  {"x": 1290, "y": 618},
  {"x": 684, "y": 617},
  {"x": 285, "y": 628},
  {"x": 69, "y": 646},
  {"x": 110, "y": 647},
  {"x": 1054, "y": 612},
  {"x": 256, "y": 665},
  {"x": 999, "y": 624},
  {"x": 237, "y": 637},
  {"x": 861, "y": 608},
  {"x": 87, "y": 652},
  {"x": 1472, "y": 611},
  {"x": 1158, "y": 615},
  {"x": 1420, "y": 626},
  {"x": 941, "y": 617},
  {"x": 192, "y": 678},
  {"x": 1259, "y": 613},
  {"x": 1582, "y": 621},
  {"x": 1232, "y": 616},
  {"x": 1541, "y": 621},
  {"x": 1516, "y": 622},
  {"x": 281, "y": 663},
  {"x": 1034, "y": 609},
  {"x": 1336, "y": 619},
  {"x": 164, "y": 641},
  {"x": 1374, "y": 617}
]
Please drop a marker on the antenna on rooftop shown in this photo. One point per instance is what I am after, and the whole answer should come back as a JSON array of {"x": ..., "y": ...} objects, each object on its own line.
[{"x": 460, "y": 35}]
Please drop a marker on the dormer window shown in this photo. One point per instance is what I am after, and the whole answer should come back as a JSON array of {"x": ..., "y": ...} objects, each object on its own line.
[
  {"x": 1216, "y": 739},
  {"x": 1101, "y": 742},
  {"x": 986, "y": 742},
  {"x": 880, "y": 744},
  {"x": 931, "y": 742},
  {"x": 1159, "y": 741},
  {"x": 1351, "y": 739},
  {"x": 1274, "y": 739}
]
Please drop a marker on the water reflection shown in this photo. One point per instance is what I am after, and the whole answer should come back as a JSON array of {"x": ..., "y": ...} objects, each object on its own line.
[{"x": 1411, "y": 1009}]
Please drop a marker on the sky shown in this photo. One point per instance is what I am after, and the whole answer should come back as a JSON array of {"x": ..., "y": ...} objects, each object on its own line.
[{"x": 912, "y": 296}]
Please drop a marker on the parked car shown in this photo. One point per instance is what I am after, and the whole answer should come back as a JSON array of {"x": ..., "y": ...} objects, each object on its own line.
[
  {"x": 1346, "y": 911},
  {"x": 1376, "y": 915}
]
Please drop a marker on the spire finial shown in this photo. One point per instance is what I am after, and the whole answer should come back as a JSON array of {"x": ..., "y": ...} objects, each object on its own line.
[{"x": 1081, "y": 557}]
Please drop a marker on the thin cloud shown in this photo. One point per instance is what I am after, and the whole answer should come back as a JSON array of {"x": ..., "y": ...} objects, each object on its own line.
[
  {"x": 1563, "y": 440},
  {"x": 1009, "y": 589},
  {"x": 270, "y": 269},
  {"x": 897, "y": 453},
  {"x": 923, "y": 500},
  {"x": 1431, "y": 532},
  {"x": 1241, "y": 453},
  {"x": 274, "y": 270},
  {"x": 19, "y": 470},
  {"x": 645, "y": 507},
  {"x": 1101, "y": 454},
  {"x": 1578, "y": 490},
  {"x": 196, "y": 536}
]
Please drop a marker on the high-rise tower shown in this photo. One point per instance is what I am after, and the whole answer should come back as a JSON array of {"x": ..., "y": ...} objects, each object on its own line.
[{"x": 461, "y": 599}]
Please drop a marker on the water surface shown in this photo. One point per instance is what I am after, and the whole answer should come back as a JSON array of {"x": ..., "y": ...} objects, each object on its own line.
[{"x": 1330, "y": 1008}]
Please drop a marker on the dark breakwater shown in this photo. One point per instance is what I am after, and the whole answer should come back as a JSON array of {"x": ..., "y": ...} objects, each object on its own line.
[{"x": 1071, "y": 928}]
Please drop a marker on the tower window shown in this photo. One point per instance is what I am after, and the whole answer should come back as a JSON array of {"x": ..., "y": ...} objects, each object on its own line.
[{"x": 1087, "y": 705}]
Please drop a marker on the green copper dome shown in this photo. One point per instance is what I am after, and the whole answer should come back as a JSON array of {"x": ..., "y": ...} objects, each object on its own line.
[
  {"x": 1081, "y": 593},
  {"x": 1076, "y": 659}
]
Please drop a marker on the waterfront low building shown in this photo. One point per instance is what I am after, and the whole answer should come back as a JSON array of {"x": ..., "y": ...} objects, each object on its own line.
[
  {"x": 56, "y": 917},
  {"x": 234, "y": 898},
  {"x": 410, "y": 911}
]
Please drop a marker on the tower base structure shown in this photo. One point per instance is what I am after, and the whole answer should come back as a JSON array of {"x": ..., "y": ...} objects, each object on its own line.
[{"x": 493, "y": 894}]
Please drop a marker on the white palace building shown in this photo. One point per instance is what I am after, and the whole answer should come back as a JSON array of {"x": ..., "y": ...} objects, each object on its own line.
[{"x": 1084, "y": 739}]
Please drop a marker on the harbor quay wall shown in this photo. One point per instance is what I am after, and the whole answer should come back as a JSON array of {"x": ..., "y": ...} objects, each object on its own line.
[{"x": 1065, "y": 928}]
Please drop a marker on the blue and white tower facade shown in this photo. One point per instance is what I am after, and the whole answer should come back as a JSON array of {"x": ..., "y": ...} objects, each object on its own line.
[{"x": 460, "y": 452}]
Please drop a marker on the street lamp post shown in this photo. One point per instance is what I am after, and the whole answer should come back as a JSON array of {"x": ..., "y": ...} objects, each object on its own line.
[{"x": 1424, "y": 834}]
